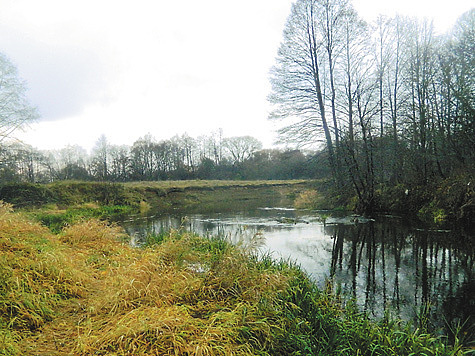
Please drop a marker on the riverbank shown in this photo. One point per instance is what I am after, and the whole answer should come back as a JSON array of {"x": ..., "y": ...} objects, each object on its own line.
[
  {"x": 87, "y": 291},
  {"x": 59, "y": 204},
  {"x": 162, "y": 195},
  {"x": 446, "y": 203}
]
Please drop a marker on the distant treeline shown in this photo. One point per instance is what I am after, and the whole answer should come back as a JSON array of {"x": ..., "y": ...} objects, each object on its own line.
[{"x": 179, "y": 158}]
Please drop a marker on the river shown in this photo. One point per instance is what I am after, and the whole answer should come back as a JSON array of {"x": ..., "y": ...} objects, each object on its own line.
[{"x": 385, "y": 264}]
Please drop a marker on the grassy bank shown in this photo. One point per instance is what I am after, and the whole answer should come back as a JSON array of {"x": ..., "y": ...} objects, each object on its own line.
[
  {"x": 447, "y": 202},
  {"x": 86, "y": 291},
  {"x": 59, "y": 204},
  {"x": 216, "y": 196},
  {"x": 67, "y": 193}
]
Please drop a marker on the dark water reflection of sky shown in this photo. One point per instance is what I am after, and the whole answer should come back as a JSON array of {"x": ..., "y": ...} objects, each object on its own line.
[{"x": 384, "y": 264}]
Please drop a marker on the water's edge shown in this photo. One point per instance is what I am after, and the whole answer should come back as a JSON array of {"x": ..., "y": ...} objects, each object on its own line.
[{"x": 384, "y": 263}]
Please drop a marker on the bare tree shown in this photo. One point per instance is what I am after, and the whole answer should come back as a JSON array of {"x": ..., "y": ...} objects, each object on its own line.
[
  {"x": 313, "y": 41},
  {"x": 297, "y": 90},
  {"x": 101, "y": 158},
  {"x": 357, "y": 104},
  {"x": 419, "y": 76},
  {"x": 19, "y": 162},
  {"x": 190, "y": 149},
  {"x": 334, "y": 15},
  {"x": 120, "y": 162},
  {"x": 211, "y": 146},
  {"x": 15, "y": 110},
  {"x": 241, "y": 148},
  {"x": 395, "y": 95},
  {"x": 143, "y": 161},
  {"x": 456, "y": 106},
  {"x": 70, "y": 163}
]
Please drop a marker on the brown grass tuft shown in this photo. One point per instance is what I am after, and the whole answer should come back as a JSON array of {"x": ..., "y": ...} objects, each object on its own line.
[{"x": 84, "y": 292}]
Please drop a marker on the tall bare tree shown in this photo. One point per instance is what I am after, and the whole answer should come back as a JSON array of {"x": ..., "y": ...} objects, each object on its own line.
[
  {"x": 420, "y": 74},
  {"x": 395, "y": 96},
  {"x": 297, "y": 85},
  {"x": 456, "y": 109},
  {"x": 101, "y": 158},
  {"x": 241, "y": 148},
  {"x": 15, "y": 109}
]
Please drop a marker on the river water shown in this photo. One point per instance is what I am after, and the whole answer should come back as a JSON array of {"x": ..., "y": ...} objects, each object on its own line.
[{"x": 385, "y": 264}]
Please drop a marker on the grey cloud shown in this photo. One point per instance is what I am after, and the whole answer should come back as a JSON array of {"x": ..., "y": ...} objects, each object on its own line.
[{"x": 61, "y": 79}]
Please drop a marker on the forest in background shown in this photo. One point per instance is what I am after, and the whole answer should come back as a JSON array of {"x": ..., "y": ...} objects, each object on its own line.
[{"x": 179, "y": 158}]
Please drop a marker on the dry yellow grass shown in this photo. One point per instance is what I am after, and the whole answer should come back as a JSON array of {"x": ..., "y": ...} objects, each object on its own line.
[
  {"x": 85, "y": 292},
  {"x": 158, "y": 304},
  {"x": 35, "y": 274}
]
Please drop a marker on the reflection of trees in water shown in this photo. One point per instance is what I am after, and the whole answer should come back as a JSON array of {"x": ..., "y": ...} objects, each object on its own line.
[
  {"x": 458, "y": 309},
  {"x": 141, "y": 227},
  {"x": 386, "y": 265},
  {"x": 382, "y": 264}
]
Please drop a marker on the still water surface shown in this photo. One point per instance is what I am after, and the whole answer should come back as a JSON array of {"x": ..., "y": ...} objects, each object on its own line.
[{"x": 385, "y": 264}]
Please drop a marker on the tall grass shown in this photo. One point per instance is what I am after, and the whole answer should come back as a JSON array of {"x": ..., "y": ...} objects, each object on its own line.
[
  {"x": 85, "y": 291},
  {"x": 35, "y": 274}
]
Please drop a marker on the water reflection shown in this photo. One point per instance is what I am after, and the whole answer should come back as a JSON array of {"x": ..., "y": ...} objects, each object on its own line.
[{"x": 383, "y": 264}]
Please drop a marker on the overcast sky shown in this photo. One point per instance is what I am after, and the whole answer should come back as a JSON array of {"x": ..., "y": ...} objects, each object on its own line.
[{"x": 128, "y": 68}]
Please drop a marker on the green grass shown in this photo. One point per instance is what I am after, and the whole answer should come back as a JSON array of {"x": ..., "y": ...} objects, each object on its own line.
[{"x": 56, "y": 220}]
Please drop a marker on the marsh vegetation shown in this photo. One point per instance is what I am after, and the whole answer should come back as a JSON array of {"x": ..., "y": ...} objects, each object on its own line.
[{"x": 87, "y": 291}]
